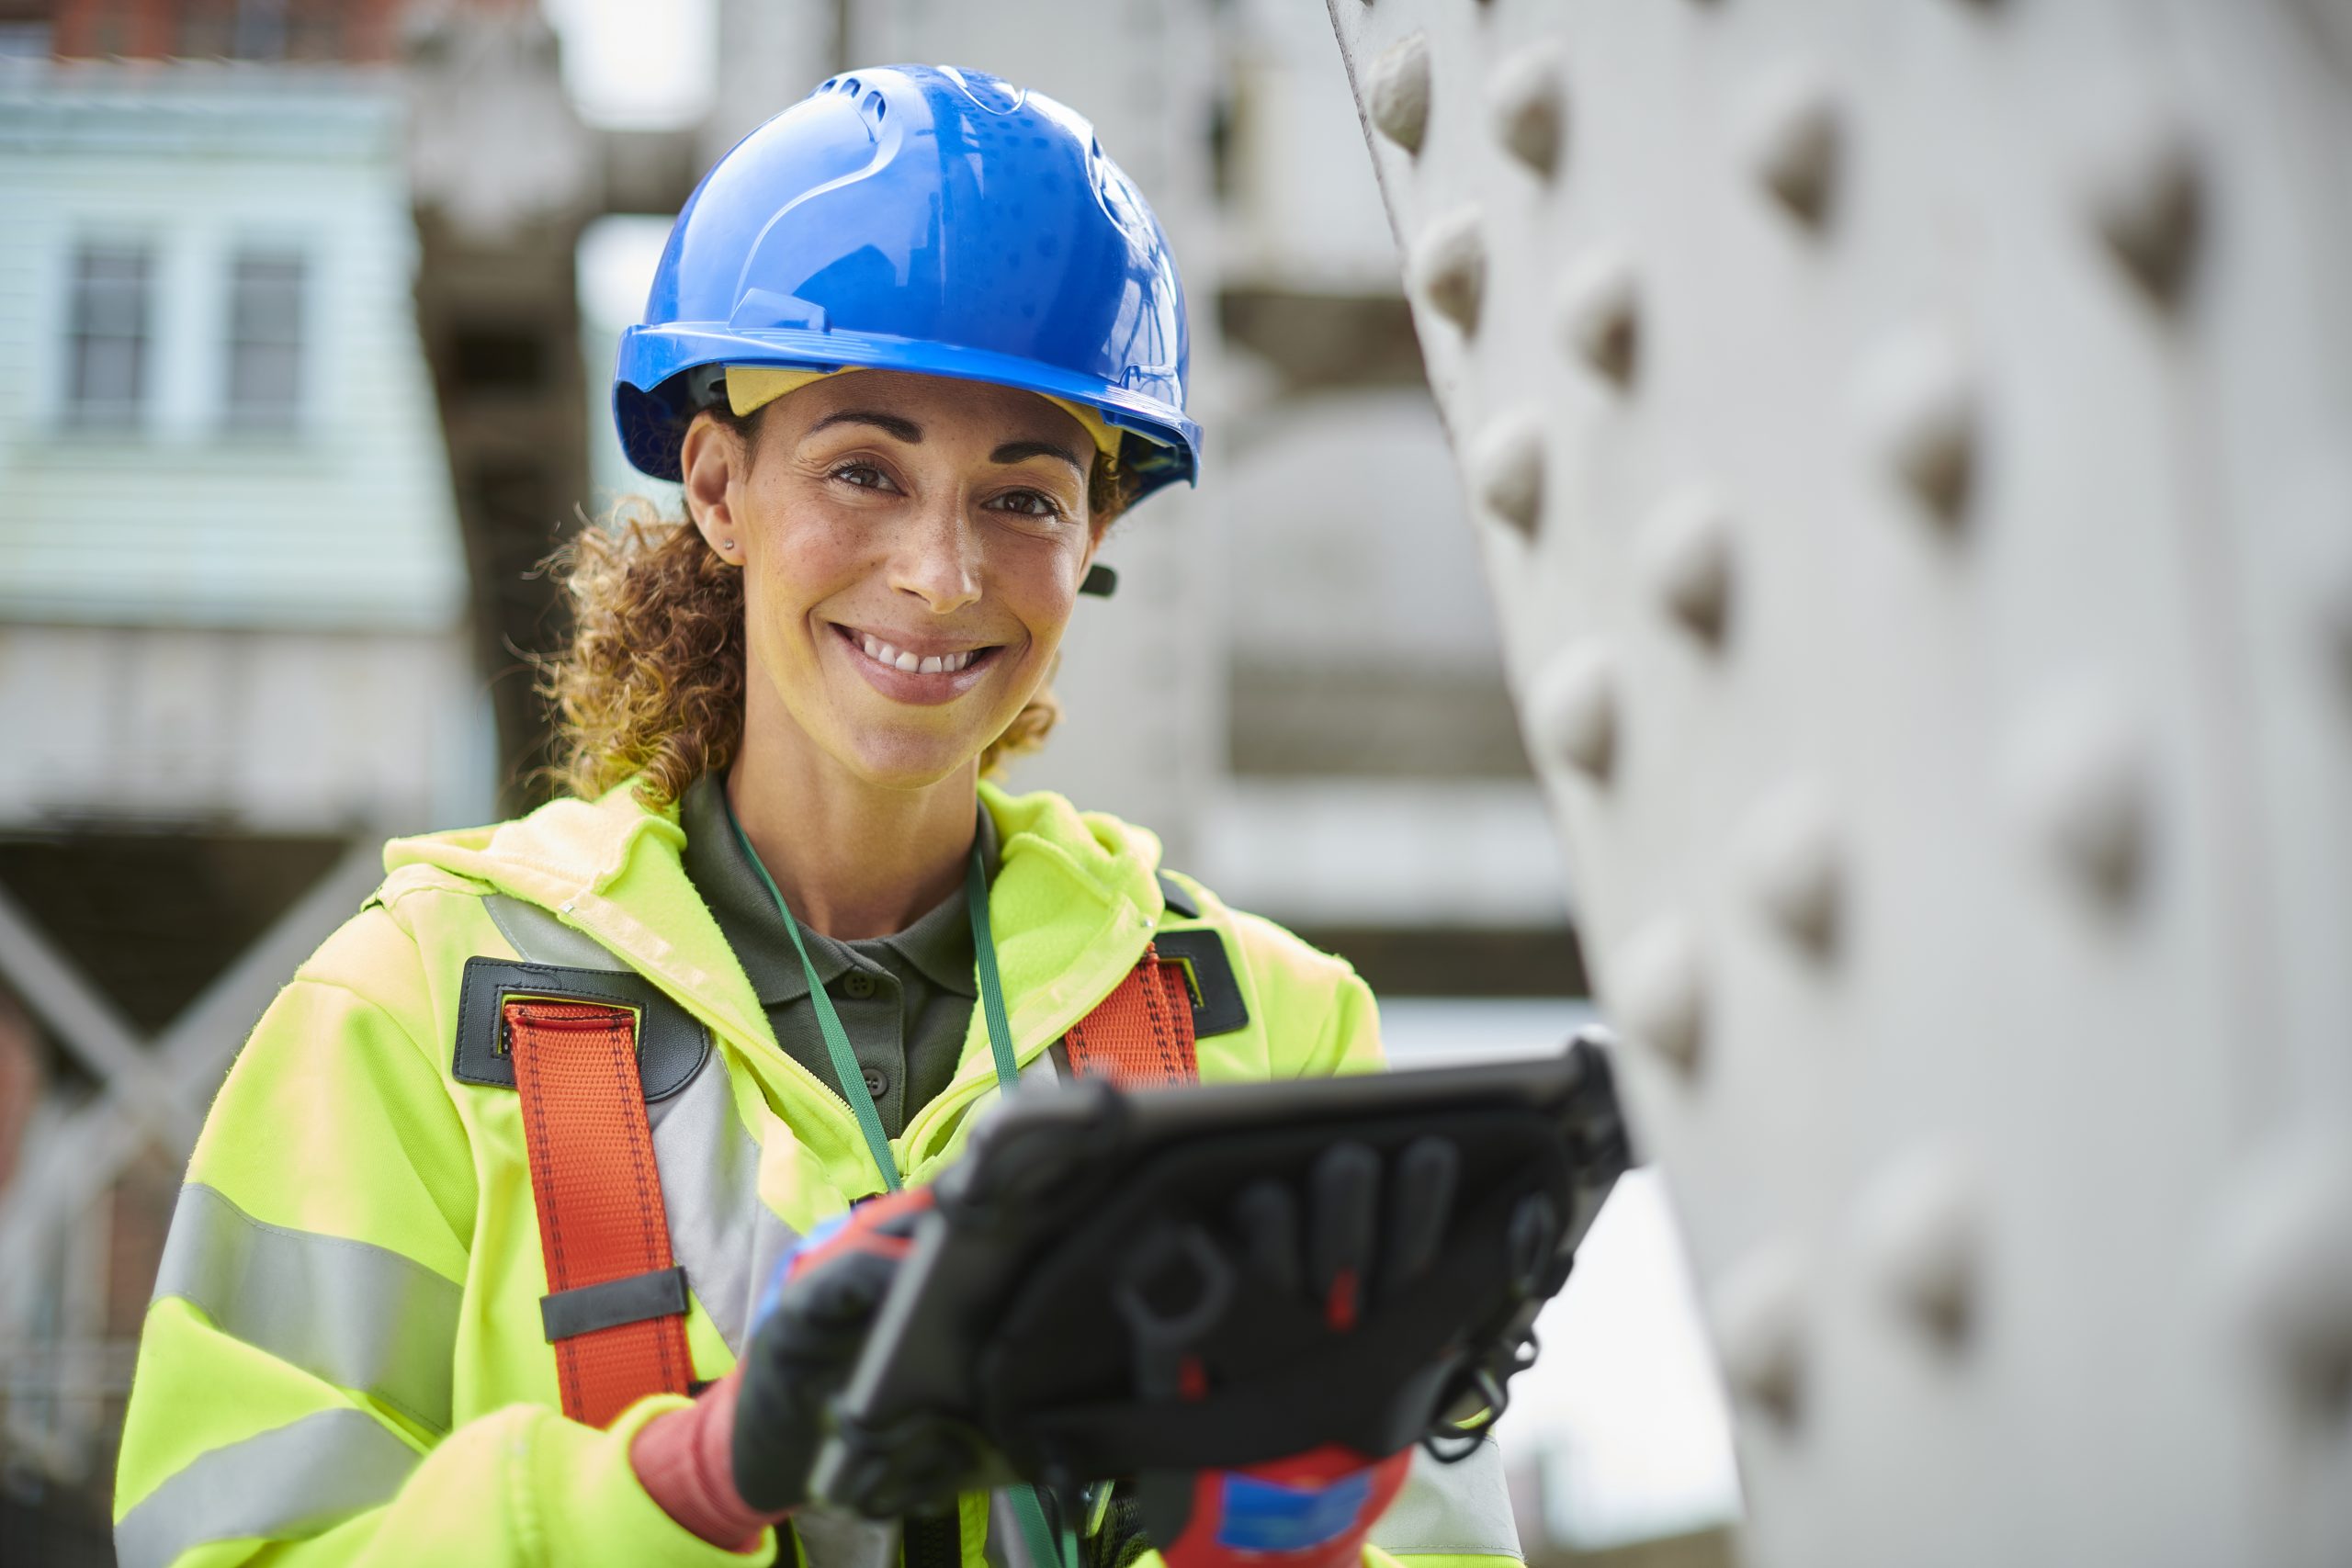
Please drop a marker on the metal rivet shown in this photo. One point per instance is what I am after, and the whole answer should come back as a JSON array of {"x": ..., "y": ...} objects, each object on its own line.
[
  {"x": 2146, "y": 196},
  {"x": 1686, "y": 552},
  {"x": 1573, "y": 710},
  {"x": 1508, "y": 464},
  {"x": 1920, "y": 1232},
  {"x": 1790, "y": 849},
  {"x": 1919, "y": 400},
  {"x": 2080, "y": 773},
  {"x": 1451, "y": 261},
  {"x": 1600, "y": 313},
  {"x": 1658, "y": 994},
  {"x": 1397, "y": 90},
  {"x": 1759, "y": 1314},
  {"x": 1529, "y": 93},
  {"x": 1793, "y": 145},
  {"x": 2286, "y": 1263}
]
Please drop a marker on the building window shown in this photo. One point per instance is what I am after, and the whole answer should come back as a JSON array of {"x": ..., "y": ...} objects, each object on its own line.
[
  {"x": 265, "y": 308},
  {"x": 108, "y": 325}
]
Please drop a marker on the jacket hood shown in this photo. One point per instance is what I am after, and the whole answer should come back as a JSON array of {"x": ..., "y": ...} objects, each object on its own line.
[
  {"x": 569, "y": 847},
  {"x": 1075, "y": 900}
]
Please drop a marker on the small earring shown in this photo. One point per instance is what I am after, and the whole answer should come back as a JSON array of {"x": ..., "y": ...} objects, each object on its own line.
[{"x": 726, "y": 544}]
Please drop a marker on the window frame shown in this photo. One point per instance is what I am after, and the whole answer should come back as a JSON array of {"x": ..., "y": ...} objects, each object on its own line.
[
  {"x": 138, "y": 297},
  {"x": 249, "y": 329}
]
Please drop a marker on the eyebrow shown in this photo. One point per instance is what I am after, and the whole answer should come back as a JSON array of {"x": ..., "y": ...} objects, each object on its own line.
[
  {"x": 905, "y": 430},
  {"x": 1020, "y": 451},
  {"x": 911, "y": 433}
]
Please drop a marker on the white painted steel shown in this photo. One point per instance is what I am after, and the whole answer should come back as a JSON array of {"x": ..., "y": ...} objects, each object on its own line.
[{"x": 1960, "y": 804}]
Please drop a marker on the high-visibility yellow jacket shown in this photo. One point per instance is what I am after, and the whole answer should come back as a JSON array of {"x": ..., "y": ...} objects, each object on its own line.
[{"x": 345, "y": 1360}]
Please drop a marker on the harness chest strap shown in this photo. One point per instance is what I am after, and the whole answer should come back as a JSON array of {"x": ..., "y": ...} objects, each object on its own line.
[
  {"x": 1141, "y": 1036},
  {"x": 617, "y": 1302}
]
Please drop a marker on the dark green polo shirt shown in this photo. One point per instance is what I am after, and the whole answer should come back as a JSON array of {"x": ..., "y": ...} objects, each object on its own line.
[{"x": 905, "y": 1000}]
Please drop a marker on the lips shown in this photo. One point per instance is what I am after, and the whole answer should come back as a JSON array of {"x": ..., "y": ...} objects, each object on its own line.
[{"x": 922, "y": 672}]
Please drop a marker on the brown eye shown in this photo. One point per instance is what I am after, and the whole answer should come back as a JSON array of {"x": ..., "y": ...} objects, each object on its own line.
[
  {"x": 865, "y": 476},
  {"x": 1030, "y": 503}
]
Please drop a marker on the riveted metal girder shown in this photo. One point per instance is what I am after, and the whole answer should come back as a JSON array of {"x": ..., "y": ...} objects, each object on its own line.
[{"x": 1910, "y": 442}]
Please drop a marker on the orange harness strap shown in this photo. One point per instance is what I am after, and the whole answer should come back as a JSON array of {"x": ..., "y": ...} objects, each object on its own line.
[
  {"x": 615, "y": 1303},
  {"x": 1141, "y": 1034}
]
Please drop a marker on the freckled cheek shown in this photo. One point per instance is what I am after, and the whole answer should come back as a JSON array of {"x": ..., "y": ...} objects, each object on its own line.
[
  {"x": 1042, "y": 603},
  {"x": 807, "y": 563}
]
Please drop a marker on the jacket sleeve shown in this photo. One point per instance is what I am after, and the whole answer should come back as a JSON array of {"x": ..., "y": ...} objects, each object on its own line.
[
  {"x": 1449, "y": 1516},
  {"x": 294, "y": 1384}
]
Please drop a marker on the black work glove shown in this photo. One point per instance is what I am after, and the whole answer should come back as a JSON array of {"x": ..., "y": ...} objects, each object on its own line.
[{"x": 812, "y": 1324}]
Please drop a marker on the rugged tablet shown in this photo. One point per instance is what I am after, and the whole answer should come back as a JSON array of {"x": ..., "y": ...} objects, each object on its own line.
[{"x": 1113, "y": 1284}]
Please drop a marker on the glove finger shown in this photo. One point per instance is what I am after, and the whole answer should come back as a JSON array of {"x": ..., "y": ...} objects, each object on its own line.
[
  {"x": 1266, "y": 1217},
  {"x": 1345, "y": 1194},
  {"x": 1421, "y": 1202}
]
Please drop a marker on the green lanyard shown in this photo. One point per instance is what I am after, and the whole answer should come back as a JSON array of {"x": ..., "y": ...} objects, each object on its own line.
[
  {"x": 829, "y": 1022},
  {"x": 1027, "y": 1509}
]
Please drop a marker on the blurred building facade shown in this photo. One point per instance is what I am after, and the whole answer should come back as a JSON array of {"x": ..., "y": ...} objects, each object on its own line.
[{"x": 234, "y": 648}]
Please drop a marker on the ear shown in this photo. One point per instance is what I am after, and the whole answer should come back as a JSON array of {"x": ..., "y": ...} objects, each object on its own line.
[{"x": 710, "y": 462}]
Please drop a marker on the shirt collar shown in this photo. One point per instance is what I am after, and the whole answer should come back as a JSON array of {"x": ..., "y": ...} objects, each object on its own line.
[{"x": 938, "y": 944}]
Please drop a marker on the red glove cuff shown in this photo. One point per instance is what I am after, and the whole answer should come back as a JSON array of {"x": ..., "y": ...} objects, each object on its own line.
[{"x": 684, "y": 1459}]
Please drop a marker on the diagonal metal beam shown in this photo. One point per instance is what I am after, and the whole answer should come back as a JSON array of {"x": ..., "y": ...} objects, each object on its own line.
[
  {"x": 87, "y": 1024},
  {"x": 67, "y": 1165}
]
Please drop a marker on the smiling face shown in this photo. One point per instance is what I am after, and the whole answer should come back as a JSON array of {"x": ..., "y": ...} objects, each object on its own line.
[{"x": 912, "y": 547}]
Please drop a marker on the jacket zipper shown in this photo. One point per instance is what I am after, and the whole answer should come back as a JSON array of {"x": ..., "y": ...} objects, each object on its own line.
[{"x": 960, "y": 1095}]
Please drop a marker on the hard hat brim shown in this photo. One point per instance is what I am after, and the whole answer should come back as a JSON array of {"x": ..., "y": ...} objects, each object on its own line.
[{"x": 653, "y": 410}]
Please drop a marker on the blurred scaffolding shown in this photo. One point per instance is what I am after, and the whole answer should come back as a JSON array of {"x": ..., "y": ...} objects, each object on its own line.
[
  {"x": 234, "y": 648},
  {"x": 313, "y": 305}
]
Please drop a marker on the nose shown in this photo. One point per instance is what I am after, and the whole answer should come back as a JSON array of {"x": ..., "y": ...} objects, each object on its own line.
[{"x": 937, "y": 558}]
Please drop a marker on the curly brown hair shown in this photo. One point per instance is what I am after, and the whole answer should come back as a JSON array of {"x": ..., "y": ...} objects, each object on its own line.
[{"x": 649, "y": 684}]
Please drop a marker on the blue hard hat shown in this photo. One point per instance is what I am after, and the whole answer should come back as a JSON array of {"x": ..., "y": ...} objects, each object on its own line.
[{"x": 925, "y": 219}]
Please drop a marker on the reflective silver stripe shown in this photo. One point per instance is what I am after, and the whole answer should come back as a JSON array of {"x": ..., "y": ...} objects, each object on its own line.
[
  {"x": 831, "y": 1539},
  {"x": 725, "y": 1239},
  {"x": 287, "y": 1483},
  {"x": 1452, "y": 1510},
  {"x": 360, "y": 1317},
  {"x": 538, "y": 937}
]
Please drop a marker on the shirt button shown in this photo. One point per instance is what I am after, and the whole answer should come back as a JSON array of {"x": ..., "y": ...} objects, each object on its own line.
[
  {"x": 858, "y": 984},
  {"x": 878, "y": 1083}
]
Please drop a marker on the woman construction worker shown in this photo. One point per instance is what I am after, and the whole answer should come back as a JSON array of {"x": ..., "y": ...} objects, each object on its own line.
[{"x": 517, "y": 1234}]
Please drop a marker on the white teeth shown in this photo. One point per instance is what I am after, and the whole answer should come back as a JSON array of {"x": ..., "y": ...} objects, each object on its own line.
[{"x": 899, "y": 658}]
